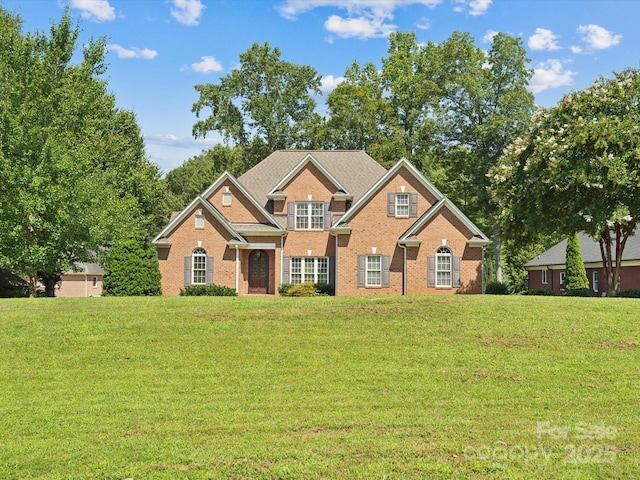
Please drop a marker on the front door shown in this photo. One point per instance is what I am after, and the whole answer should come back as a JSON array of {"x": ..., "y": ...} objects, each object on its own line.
[{"x": 258, "y": 271}]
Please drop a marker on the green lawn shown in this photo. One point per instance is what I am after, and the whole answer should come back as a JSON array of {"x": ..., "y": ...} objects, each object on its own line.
[{"x": 427, "y": 387}]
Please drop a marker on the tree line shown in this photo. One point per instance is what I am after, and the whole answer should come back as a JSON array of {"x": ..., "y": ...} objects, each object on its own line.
[{"x": 76, "y": 183}]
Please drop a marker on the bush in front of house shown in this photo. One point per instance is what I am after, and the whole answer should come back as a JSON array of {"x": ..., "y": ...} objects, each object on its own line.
[
  {"x": 208, "y": 291},
  {"x": 305, "y": 289},
  {"x": 629, "y": 293},
  {"x": 578, "y": 292},
  {"x": 539, "y": 291},
  {"x": 131, "y": 269},
  {"x": 496, "y": 288}
]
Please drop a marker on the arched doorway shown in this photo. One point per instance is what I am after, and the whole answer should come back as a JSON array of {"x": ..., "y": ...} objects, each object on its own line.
[{"x": 258, "y": 272}]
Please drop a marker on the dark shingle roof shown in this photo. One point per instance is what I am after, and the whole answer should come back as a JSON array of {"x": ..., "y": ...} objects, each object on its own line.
[
  {"x": 354, "y": 169},
  {"x": 590, "y": 252}
]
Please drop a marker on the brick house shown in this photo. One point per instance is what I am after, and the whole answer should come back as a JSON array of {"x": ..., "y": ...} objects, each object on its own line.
[
  {"x": 335, "y": 217},
  {"x": 547, "y": 270}
]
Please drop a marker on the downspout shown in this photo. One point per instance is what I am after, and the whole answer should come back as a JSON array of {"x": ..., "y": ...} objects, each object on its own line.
[
  {"x": 237, "y": 269},
  {"x": 281, "y": 257},
  {"x": 335, "y": 273},
  {"x": 404, "y": 269}
]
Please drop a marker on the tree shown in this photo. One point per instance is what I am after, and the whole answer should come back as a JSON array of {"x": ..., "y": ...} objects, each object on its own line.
[
  {"x": 577, "y": 169},
  {"x": 575, "y": 274},
  {"x": 266, "y": 99},
  {"x": 131, "y": 269},
  {"x": 72, "y": 170}
]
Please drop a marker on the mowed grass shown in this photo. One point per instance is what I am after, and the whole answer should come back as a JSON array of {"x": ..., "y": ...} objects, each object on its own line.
[{"x": 425, "y": 387}]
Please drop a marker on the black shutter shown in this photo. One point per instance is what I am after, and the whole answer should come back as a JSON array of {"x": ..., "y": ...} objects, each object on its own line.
[
  {"x": 431, "y": 271},
  {"x": 291, "y": 216},
  {"x": 332, "y": 271},
  {"x": 386, "y": 273},
  {"x": 187, "y": 271}
]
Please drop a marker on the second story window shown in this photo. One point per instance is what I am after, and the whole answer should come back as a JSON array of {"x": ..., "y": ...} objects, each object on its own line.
[
  {"x": 309, "y": 216},
  {"x": 402, "y": 204}
]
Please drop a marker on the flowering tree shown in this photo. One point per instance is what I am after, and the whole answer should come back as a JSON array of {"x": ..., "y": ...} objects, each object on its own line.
[{"x": 578, "y": 168}]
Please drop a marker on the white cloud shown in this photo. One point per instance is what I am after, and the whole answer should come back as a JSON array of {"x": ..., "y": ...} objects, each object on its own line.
[
  {"x": 207, "y": 64},
  {"x": 94, "y": 10},
  {"x": 550, "y": 74},
  {"x": 543, "y": 39},
  {"x": 576, "y": 49},
  {"x": 364, "y": 19},
  {"x": 132, "y": 52},
  {"x": 329, "y": 82},
  {"x": 488, "y": 37},
  {"x": 423, "y": 24},
  {"x": 361, "y": 27},
  {"x": 479, "y": 7},
  {"x": 187, "y": 12},
  {"x": 171, "y": 140},
  {"x": 597, "y": 37}
]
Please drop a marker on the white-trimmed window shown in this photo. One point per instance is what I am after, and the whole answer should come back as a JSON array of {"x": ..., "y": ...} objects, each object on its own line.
[
  {"x": 95, "y": 282},
  {"x": 562, "y": 276},
  {"x": 402, "y": 204},
  {"x": 374, "y": 271},
  {"x": 443, "y": 267},
  {"x": 594, "y": 280},
  {"x": 199, "y": 266},
  {"x": 309, "y": 269},
  {"x": 545, "y": 277},
  {"x": 309, "y": 216}
]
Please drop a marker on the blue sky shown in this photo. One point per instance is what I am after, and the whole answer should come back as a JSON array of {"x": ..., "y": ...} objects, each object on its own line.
[{"x": 160, "y": 49}]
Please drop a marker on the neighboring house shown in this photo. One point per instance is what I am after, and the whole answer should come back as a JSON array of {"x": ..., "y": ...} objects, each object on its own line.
[
  {"x": 335, "y": 217},
  {"x": 547, "y": 270},
  {"x": 86, "y": 282}
]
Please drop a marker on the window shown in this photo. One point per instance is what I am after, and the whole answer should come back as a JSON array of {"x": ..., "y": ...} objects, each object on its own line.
[
  {"x": 309, "y": 269},
  {"x": 226, "y": 199},
  {"x": 199, "y": 266},
  {"x": 443, "y": 267},
  {"x": 309, "y": 216},
  {"x": 545, "y": 276},
  {"x": 594, "y": 282},
  {"x": 95, "y": 282},
  {"x": 402, "y": 204},
  {"x": 374, "y": 271},
  {"x": 562, "y": 274},
  {"x": 199, "y": 221}
]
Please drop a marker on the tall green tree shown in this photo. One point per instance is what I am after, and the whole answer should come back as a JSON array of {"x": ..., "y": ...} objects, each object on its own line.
[
  {"x": 266, "y": 99},
  {"x": 577, "y": 169},
  {"x": 575, "y": 274},
  {"x": 73, "y": 175}
]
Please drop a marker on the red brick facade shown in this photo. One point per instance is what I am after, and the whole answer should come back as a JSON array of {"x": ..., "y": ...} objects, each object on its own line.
[{"x": 347, "y": 229}]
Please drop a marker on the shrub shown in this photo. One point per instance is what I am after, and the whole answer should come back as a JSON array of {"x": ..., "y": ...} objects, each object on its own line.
[
  {"x": 578, "y": 292},
  {"x": 630, "y": 293},
  {"x": 324, "y": 289},
  {"x": 207, "y": 291},
  {"x": 575, "y": 280},
  {"x": 131, "y": 269},
  {"x": 307, "y": 289},
  {"x": 539, "y": 291},
  {"x": 284, "y": 288},
  {"x": 496, "y": 288}
]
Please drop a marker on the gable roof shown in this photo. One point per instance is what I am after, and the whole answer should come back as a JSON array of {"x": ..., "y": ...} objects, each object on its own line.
[
  {"x": 403, "y": 162},
  {"x": 228, "y": 176},
  {"x": 351, "y": 170},
  {"x": 479, "y": 238},
  {"x": 309, "y": 158},
  {"x": 161, "y": 237},
  {"x": 590, "y": 249}
]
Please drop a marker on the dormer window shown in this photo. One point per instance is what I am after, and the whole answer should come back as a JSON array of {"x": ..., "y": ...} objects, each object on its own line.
[{"x": 309, "y": 216}]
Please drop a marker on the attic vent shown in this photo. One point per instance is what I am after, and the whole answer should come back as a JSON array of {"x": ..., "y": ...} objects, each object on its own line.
[{"x": 226, "y": 199}]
